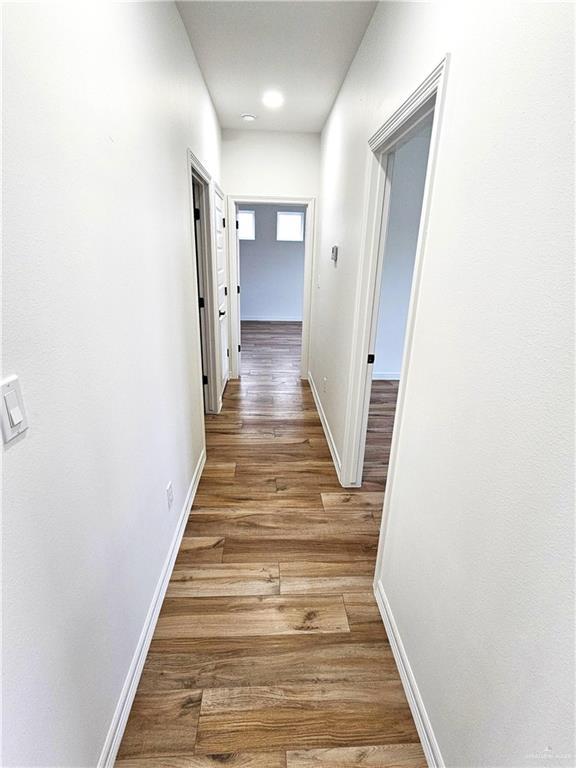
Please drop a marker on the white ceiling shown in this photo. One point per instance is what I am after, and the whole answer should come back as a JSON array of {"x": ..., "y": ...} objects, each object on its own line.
[{"x": 301, "y": 48}]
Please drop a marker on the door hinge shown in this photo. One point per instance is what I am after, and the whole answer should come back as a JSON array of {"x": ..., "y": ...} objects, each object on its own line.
[
  {"x": 227, "y": 353},
  {"x": 370, "y": 359},
  {"x": 239, "y": 347},
  {"x": 237, "y": 225},
  {"x": 224, "y": 223},
  {"x": 196, "y": 214},
  {"x": 201, "y": 302},
  {"x": 237, "y": 289},
  {"x": 225, "y": 291},
  {"x": 204, "y": 379}
]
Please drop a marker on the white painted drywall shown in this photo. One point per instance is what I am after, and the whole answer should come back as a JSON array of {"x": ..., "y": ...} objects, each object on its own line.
[
  {"x": 270, "y": 163},
  {"x": 271, "y": 271},
  {"x": 305, "y": 49},
  {"x": 479, "y": 554},
  {"x": 403, "y": 224},
  {"x": 101, "y": 102}
]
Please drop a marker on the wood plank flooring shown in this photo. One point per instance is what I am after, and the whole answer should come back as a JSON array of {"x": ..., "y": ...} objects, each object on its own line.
[
  {"x": 269, "y": 651},
  {"x": 379, "y": 436}
]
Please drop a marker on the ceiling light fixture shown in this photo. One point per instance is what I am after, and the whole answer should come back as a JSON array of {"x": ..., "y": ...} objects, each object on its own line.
[
  {"x": 272, "y": 99},
  {"x": 248, "y": 116}
]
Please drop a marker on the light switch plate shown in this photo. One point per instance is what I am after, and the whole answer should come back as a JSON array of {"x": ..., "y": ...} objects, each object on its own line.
[{"x": 12, "y": 413}]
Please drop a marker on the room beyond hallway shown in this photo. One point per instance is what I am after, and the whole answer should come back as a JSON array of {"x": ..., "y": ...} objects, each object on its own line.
[
  {"x": 382, "y": 409},
  {"x": 270, "y": 651},
  {"x": 272, "y": 253}
]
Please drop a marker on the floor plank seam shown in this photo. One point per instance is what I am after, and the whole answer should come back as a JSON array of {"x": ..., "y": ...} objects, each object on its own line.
[{"x": 270, "y": 651}]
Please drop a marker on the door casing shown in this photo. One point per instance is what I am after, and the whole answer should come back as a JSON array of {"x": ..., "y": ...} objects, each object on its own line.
[
  {"x": 427, "y": 98},
  {"x": 234, "y": 293},
  {"x": 205, "y": 250},
  {"x": 221, "y": 288}
]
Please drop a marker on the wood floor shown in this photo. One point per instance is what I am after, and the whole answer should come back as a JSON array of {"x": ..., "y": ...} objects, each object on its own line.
[
  {"x": 269, "y": 651},
  {"x": 379, "y": 436}
]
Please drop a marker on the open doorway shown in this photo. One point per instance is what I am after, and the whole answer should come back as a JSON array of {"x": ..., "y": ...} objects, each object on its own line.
[
  {"x": 200, "y": 248},
  {"x": 401, "y": 169},
  {"x": 271, "y": 259},
  {"x": 407, "y": 163},
  {"x": 209, "y": 245}
]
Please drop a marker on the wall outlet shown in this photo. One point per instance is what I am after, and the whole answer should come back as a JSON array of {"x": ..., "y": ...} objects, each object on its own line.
[
  {"x": 170, "y": 494},
  {"x": 324, "y": 384}
]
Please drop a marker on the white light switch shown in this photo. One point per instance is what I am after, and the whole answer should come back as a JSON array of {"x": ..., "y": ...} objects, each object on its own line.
[
  {"x": 12, "y": 413},
  {"x": 13, "y": 407}
]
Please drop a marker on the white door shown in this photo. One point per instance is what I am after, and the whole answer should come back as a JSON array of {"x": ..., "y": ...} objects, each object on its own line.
[
  {"x": 236, "y": 319},
  {"x": 222, "y": 290}
]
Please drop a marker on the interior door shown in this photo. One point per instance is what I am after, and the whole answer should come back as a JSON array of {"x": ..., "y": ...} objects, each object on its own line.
[
  {"x": 201, "y": 280},
  {"x": 238, "y": 299},
  {"x": 222, "y": 290}
]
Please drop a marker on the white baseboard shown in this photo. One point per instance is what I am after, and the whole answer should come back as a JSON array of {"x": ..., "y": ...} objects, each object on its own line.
[
  {"x": 421, "y": 719},
  {"x": 325, "y": 426},
  {"x": 118, "y": 724},
  {"x": 386, "y": 376}
]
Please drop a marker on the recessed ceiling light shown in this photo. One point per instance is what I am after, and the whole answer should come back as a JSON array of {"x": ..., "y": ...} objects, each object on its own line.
[
  {"x": 248, "y": 117},
  {"x": 273, "y": 99}
]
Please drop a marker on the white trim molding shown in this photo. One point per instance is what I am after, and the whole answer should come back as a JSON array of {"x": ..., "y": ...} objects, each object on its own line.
[
  {"x": 325, "y": 426},
  {"x": 204, "y": 252},
  {"x": 273, "y": 319},
  {"x": 198, "y": 166},
  {"x": 390, "y": 131},
  {"x": 120, "y": 717},
  {"x": 415, "y": 702},
  {"x": 427, "y": 98},
  {"x": 386, "y": 376}
]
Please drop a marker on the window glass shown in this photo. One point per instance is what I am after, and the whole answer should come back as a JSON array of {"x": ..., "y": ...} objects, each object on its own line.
[
  {"x": 246, "y": 225},
  {"x": 290, "y": 225}
]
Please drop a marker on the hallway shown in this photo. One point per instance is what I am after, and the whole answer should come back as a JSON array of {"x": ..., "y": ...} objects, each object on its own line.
[
  {"x": 198, "y": 191},
  {"x": 269, "y": 644}
]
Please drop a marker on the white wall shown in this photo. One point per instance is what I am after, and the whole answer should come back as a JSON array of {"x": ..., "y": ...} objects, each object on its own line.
[
  {"x": 478, "y": 557},
  {"x": 271, "y": 271},
  {"x": 270, "y": 163},
  {"x": 100, "y": 105},
  {"x": 403, "y": 224}
]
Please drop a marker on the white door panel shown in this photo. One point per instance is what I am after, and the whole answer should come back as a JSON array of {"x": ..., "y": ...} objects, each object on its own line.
[{"x": 221, "y": 289}]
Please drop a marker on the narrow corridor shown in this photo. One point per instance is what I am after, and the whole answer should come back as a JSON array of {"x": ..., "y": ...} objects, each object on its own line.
[{"x": 270, "y": 650}]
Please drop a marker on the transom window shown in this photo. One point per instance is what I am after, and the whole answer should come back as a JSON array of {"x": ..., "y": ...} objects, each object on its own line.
[
  {"x": 246, "y": 225},
  {"x": 290, "y": 225}
]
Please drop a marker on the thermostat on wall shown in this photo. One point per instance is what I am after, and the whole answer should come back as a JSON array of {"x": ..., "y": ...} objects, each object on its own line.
[
  {"x": 334, "y": 256},
  {"x": 13, "y": 415}
]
